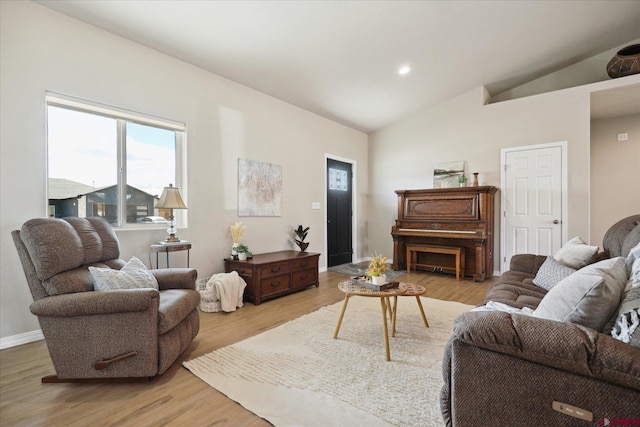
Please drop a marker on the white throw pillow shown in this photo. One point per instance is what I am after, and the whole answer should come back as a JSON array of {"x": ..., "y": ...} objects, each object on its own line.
[
  {"x": 588, "y": 297},
  {"x": 133, "y": 275},
  {"x": 632, "y": 264},
  {"x": 575, "y": 253},
  {"x": 551, "y": 272}
]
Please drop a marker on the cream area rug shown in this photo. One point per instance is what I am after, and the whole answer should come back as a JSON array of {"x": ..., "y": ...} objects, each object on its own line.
[{"x": 298, "y": 375}]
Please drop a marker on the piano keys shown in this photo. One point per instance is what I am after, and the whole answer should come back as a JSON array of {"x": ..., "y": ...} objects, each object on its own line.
[{"x": 461, "y": 217}]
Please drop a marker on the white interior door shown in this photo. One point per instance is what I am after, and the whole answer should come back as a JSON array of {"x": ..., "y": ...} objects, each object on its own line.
[{"x": 533, "y": 197}]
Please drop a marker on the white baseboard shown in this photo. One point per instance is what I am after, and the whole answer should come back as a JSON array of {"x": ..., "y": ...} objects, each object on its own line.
[{"x": 16, "y": 340}]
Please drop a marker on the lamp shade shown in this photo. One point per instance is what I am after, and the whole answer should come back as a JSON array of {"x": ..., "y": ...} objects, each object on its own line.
[{"x": 171, "y": 199}]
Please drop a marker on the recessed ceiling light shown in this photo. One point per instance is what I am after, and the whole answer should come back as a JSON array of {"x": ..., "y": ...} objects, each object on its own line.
[{"x": 405, "y": 69}]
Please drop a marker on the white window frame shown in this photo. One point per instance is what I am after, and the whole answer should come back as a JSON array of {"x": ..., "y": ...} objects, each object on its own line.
[{"x": 123, "y": 116}]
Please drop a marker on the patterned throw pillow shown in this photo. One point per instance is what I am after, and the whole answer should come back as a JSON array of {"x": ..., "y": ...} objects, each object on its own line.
[
  {"x": 576, "y": 253},
  {"x": 133, "y": 275},
  {"x": 632, "y": 264},
  {"x": 627, "y": 323},
  {"x": 551, "y": 272}
]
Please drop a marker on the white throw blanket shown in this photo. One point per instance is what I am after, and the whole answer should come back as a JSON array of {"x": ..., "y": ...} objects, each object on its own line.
[{"x": 227, "y": 288}]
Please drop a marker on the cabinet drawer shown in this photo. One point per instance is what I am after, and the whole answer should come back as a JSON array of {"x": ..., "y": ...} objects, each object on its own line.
[
  {"x": 303, "y": 264},
  {"x": 275, "y": 269},
  {"x": 274, "y": 284},
  {"x": 242, "y": 269},
  {"x": 304, "y": 277}
]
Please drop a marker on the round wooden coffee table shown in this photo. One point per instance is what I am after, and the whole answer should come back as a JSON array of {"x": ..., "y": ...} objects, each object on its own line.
[
  {"x": 351, "y": 289},
  {"x": 413, "y": 290}
]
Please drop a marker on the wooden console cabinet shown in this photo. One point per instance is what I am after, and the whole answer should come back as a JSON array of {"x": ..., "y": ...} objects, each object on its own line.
[{"x": 275, "y": 274}]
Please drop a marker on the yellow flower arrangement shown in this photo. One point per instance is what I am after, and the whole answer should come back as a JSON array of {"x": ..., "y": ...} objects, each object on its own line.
[
  {"x": 378, "y": 266},
  {"x": 236, "y": 231}
]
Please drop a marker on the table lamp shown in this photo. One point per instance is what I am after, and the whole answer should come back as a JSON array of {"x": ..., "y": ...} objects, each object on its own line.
[{"x": 171, "y": 199}]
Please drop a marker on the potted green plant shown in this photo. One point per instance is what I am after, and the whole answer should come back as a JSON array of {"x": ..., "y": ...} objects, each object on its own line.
[
  {"x": 462, "y": 180},
  {"x": 301, "y": 232},
  {"x": 243, "y": 252}
]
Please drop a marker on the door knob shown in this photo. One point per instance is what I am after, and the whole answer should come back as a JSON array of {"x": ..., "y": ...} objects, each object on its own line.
[{"x": 555, "y": 221}]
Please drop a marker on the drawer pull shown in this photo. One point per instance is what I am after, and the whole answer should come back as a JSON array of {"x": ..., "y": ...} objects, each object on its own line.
[
  {"x": 304, "y": 264},
  {"x": 275, "y": 284},
  {"x": 275, "y": 269},
  {"x": 304, "y": 277}
]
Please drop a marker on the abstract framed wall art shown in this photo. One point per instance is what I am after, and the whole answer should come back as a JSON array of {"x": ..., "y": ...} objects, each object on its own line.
[
  {"x": 259, "y": 188},
  {"x": 445, "y": 174}
]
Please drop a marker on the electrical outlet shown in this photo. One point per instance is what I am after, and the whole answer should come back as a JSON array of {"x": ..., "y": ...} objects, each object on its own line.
[{"x": 623, "y": 137}]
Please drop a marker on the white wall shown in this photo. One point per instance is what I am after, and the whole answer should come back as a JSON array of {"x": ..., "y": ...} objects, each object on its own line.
[
  {"x": 615, "y": 172},
  {"x": 42, "y": 50},
  {"x": 402, "y": 155}
]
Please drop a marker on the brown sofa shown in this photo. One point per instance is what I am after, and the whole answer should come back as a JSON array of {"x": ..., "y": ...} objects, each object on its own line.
[
  {"x": 504, "y": 368},
  {"x": 123, "y": 333}
]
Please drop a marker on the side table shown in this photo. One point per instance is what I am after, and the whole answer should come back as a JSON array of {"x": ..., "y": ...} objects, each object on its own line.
[{"x": 182, "y": 245}]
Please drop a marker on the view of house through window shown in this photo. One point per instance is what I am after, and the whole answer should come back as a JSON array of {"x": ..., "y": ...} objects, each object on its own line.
[{"x": 104, "y": 164}]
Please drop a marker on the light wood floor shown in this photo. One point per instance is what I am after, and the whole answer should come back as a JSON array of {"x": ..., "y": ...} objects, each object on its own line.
[{"x": 178, "y": 397}]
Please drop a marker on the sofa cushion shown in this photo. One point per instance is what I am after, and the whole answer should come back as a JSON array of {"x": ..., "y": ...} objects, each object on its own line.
[
  {"x": 133, "y": 275},
  {"x": 175, "y": 305},
  {"x": 91, "y": 242},
  {"x": 70, "y": 281},
  {"x": 621, "y": 235},
  {"x": 576, "y": 253},
  {"x": 516, "y": 293},
  {"x": 588, "y": 297},
  {"x": 53, "y": 246},
  {"x": 551, "y": 273}
]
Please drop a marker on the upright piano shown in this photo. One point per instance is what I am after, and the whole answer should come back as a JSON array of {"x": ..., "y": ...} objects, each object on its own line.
[{"x": 461, "y": 217}]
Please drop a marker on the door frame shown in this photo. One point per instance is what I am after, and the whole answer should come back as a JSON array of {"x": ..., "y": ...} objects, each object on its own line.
[
  {"x": 354, "y": 207},
  {"x": 503, "y": 194}
]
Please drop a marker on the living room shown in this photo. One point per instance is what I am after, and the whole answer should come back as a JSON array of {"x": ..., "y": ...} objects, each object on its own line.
[{"x": 43, "y": 50}]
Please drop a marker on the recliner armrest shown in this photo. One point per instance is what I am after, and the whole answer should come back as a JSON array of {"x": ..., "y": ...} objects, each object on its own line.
[
  {"x": 564, "y": 346},
  {"x": 176, "y": 278},
  {"x": 90, "y": 303}
]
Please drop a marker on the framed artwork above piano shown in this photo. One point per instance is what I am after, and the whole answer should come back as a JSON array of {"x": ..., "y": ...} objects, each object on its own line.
[{"x": 460, "y": 217}]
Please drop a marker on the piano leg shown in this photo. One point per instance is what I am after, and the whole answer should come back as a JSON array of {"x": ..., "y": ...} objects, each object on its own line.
[{"x": 479, "y": 274}]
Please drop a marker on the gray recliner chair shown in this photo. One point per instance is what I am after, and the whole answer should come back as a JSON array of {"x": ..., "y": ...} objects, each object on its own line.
[{"x": 131, "y": 334}]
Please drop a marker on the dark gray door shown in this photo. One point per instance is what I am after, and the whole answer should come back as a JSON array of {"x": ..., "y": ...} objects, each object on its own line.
[{"x": 339, "y": 181}]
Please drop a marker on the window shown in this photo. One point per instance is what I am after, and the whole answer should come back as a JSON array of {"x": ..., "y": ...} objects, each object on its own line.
[{"x": 107, "y": 162}]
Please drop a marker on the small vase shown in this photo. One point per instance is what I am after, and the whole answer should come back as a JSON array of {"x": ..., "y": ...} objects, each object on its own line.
[
  {"x": 242, "y": 256},
  {"x": 234, "y": 252},
  {"x": 379, "y": 280},
  {"x": 475, "y": 179}
]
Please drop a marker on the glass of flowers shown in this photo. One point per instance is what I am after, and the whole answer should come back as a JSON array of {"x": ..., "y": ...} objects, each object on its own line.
[
  {"x": 236, "y": 234},
  {"x": 377, "y": 268}
]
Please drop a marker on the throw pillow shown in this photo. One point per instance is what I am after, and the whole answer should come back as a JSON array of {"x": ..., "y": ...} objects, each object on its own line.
[
  {"x": 627, "y": 320},
  {"x": 576, "y": 253},
  {"x": 588, "y": 297},
  {"x": 632, "y": 264},
  {"x": 133, "y": 275},
  {"x": 551, "y": 272}
]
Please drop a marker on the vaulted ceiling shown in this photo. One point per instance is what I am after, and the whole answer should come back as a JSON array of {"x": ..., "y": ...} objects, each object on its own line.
[{"x": 340, "y": 59}]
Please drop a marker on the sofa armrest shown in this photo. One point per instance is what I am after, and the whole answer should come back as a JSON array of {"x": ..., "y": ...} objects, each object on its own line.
[
  {"x": 176, "y": 278},
  {"x": 527, "y": 263},
  {"x": 569, "y": 347},
  {"x": 91, "y": 303}
]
